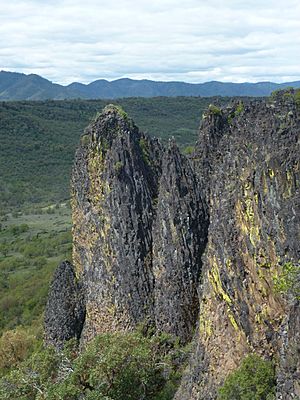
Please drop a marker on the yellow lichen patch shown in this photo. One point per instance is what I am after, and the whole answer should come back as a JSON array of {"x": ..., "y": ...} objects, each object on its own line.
[
  {"x": 247, "y": 216},
  {"x": 288, "y": 185},
  {"x": 258, "y": 318},
  {"x": 99, "y": 188},
  {"x": 83, "y": 238},
  {"x": 271, "y": 173},
  {"x": 264, "y": 183},
  {"x": 215, "y": 280},
  {"x": 232, "y": 320},
  {"x": 240, "y": 218},
  {"x": 229, "y": 267},
  {"x": 111, "y": 309},
  {"x": 106, "y": 249},
  {"x": 261, "y": 259},
  {"x": 205, "y": 325}
]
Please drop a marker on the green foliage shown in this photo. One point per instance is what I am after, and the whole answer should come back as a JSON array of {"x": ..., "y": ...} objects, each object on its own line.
[
  {"x": 288, "y": 280},
  {"x": 113, "y": 366},
  {"x": 15, "y": 346},
  {"x": 28, "y": 257},
  {"x": 145, "y": 150},
  {"x": 85, "y": 140},
  {"x": 123, "y": 113},
  {"x": 275, "y": 93},
  {"x": 118, "y": 166},
  {"x": 240, "y": 108},
  {"x": 18, "y": 229},
  {"x": 188, "y": 150},
  {"x": 253, "y": 380},
  {"x": 32, "y": 378},
  {"x": 214, "y": 109}
]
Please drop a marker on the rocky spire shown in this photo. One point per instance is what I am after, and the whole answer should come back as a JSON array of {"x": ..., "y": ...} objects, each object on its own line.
[
  {"x": 139, "y": 229},
  {"x": 65, "y": 310}
]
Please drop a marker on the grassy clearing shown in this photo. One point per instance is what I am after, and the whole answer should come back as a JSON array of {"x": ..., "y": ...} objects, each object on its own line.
[{"x": 31, "y": 246}]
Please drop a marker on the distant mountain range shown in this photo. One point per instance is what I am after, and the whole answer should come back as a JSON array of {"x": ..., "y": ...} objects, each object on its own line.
[{"x": 16, "y": 86}]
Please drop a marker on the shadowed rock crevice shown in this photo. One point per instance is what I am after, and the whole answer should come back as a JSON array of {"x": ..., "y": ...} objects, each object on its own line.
[{"x": 179, "y": 236}]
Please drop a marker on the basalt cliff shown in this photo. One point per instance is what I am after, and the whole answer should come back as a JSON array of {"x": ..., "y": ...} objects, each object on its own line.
[{"x": 191, "y": 246}]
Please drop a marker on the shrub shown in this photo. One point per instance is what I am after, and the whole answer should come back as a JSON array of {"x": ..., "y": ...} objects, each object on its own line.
[
  {"x": 214, "y": 109},
  {"x": 145, "y": 150},
  {"x": 113, "y": 366},
  {"x": 18, "y": 229},
  {"x": 118, "y": 166},
  {"x": 15, "y": 346},
  {"x": 188, "y": 150},
  {"x": 288, "y": 280},
  {"x": 240, "y": 108},
  {"x": 253, "y": 380}
]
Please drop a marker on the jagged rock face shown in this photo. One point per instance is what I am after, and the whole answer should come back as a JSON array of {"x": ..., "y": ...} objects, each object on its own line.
[
  {"x": 179, "y": 238},
  {"x": 113, "y": 185},
  {"x": 120, "y": 222},
  {"x": 213, "y": 128},
  {"x": 254, "y": 227},
  {"x": 288, "y": 381},
  {"x": 65, "y": 310}
]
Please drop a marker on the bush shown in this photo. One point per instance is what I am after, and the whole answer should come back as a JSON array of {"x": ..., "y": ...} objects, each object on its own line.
[
  {"x": 253, "y": 380},
  {"x": 18, "y": 229},
  {"x": 214, "y": 109},
  {"x": 15, "y": 346},
  {"x": 288, "y": 280},
  {"x": 113, "y": 366},
  {"x": 188, "y": 150}
]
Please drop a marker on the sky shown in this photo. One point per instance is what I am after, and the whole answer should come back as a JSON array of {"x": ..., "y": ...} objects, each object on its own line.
[{"x": 189, "y": 40}]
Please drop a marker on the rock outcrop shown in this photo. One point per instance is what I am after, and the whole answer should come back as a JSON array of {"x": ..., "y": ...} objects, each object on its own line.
[
  {"x": 139, "y": 230},
  {"x": 191, "y": 245},
  {"x": 65, "y": 310},
  {"x": 288, "y": 377},
  {"x": 254, "y": 201}
]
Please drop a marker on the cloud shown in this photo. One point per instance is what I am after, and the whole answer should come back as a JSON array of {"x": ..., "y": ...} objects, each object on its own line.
[{"x": 194, "y": 41}]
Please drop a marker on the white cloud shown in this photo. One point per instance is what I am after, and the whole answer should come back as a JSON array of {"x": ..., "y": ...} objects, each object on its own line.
[{"x": 194, "y": 40}]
